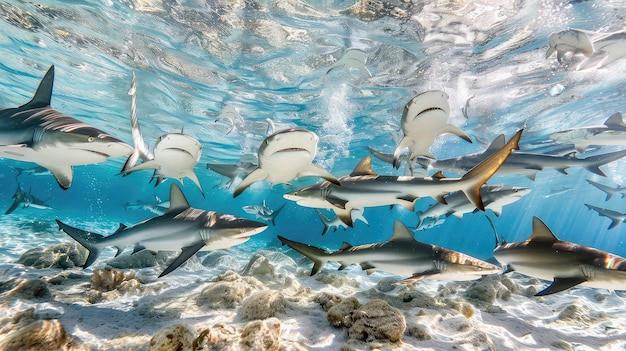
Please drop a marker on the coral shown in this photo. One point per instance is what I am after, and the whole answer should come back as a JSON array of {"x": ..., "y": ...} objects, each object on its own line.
[
  {"x": 25, "y": 289},
  {"x": 221, "y": 259},
  {"x": 109, "y": 279},
  {"x": 327, "y": 300},
  {"x": 386, "y": 284},
  {"x": 261, "y": 335},
  {"x": 418, "y": 331},
  {"x": 340, "y": 314},
  {"x": 228, "y": 291},
  {"x": 141, "y": 259},
  {"x": 262, "y": 305},
  {"x": 26, "y": 332},
  {"x": 336, "y": 280},
  {"x": 172, "y": 337},
  {"x": 376, "y": 320},
  {"x": 490, "y": 287},
  {"x": 62, "y": 256},
  {"x": 259, "y": 265}
]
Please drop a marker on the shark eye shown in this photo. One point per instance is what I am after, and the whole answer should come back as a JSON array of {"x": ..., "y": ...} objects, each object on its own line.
[{"x": 90, "y": 139}]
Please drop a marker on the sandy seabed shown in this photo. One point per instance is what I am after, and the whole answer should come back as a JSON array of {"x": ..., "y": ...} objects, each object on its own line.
[{"x": 266, "y": 300}]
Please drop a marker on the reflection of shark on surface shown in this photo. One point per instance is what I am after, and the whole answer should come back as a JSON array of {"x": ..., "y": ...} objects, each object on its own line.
[
  {"x": 615, "y": 216},
  {"x": 523, "y": 163},
  {"x": 158, "y": 207},
  {"x": 364, "y": 188},
  {"x": 566, "y": 264},
  {"x": 181, "y": 226},
  {"x": 570, "y": 40},
  {"x": 609, "y": 190},
  {"x": 401, "y": 255},
  {"x": 494, "y": 197},
  {"x": 175, "y": 154},
  {"x": 424, "y": 118},
  {"x": 231, "y": 115},
  {"x": 603, "y": 47},
  {"x": 608, "y": 46},
  {"x": 233, "y": 171},
  {"x": 612, "y": 132},
  {"x": 26, "y": 199},
  {"x": 263, "y": 212},
  {"x": 356, "y": 214},
  {"x": 34, "y": 132},
  {"x": 352, "y": 58},
  {"x": 284, "y": 156}
]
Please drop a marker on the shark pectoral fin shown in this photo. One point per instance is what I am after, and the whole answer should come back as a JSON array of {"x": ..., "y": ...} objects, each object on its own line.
[
  {"x": 255, "y": 176},
  {"x": 508, "y": 269},
  {"x": 151, "y": 164},
  {"x": 419, "y": 276},
  {"x": 317, "y": 171},
  {"x": 561, "y": 284},
  {"x": 118, "y": 250},
  {"x": 63, "y": 174},
  {"x": 408, "y": 202},
  {"x": 194, "y": 178},
  {"x": 345, "y": 216},
  {"x": 187, "y": 252},
  {"x": 367, "y": 267},
  {"x": 595, "y": 169},
  {"x": 404, "y": 143},
  {"x": 14, "y": 205},
  {"x": 337, "y": 202},
  {"x": 614, "y": 223},
  {"x": 449, "y": 128}
]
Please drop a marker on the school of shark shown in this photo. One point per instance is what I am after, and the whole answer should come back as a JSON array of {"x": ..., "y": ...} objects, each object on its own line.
[{"x": 414, "y": 178}]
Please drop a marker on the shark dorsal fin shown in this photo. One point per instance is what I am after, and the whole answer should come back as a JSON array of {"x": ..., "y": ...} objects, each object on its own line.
[
  {"x": 400, "y": 232},
  {"x": 177, "y": 199},
  {"x": 541, "y": 232},
  {"x": 496, "y": 144},
  {"x": 44, "y": 91},
  {"x": 438, "y": 175},
  {"x": 615, "y": 121},
  {"x": 363, "y": 168},
  {"x": 120, "y": 228}
]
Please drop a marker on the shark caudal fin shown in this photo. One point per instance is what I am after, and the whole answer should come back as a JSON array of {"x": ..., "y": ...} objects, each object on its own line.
[
  {"x": 317, "y": 255},
  {"x": 87, "y": 239},
  {"x": 140, "y": 150},
  {"x": 478, "y": 176}
]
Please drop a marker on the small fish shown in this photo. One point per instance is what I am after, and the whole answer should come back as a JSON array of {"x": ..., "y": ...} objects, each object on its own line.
[{"x": 263, "y": 212}]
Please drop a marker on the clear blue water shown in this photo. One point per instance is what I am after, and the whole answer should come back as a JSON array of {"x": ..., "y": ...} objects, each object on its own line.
[{"x": 270, "y": 60}]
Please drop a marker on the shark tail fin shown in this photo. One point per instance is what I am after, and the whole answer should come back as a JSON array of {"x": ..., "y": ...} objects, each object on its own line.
[
  {"x": 317, "y": 255},
  {"x": 325, "y": 220},
  {"x": 87, "y": 239},
  {"x": 276, "y": 213},
  {"x": 44, "y": 91},
  {"x": 600, "y": 160},
  {"x": 476, "y": 177}
]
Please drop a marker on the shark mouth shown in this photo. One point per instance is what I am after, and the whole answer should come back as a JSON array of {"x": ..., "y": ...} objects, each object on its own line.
[
  {"x": 430, "y": 109},
  {"x": 179, "y": 149},
  {"x": 290, "y": 149}
]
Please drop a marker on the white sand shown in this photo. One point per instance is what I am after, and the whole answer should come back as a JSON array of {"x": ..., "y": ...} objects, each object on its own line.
[{"x": 128, "y": 317}]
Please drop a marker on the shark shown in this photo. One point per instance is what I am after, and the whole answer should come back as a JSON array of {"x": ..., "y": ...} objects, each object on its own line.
[
  {"x": 401, "y": 255},
  {"x": 35, "y": 132},
  {"x": 609, "y": 190},
  {"x": 175, "y": 154},
  {"x": 364, "y": 188},
  {"x": 612, "y": 132},
  {"x": 353, "y": 58},
  {"x": 616, "y": 217},
  {"x": 424, "y": 118},
  {"x": 285, "y": 155},
  {"x": 570, "y": 40},
  {"x": 356, "y": 214},
  {"x": 26, "y": 199},
  {"x": 182, "y": 226},
  {"x": 263, "y": 212},
  {"x": 158, "y": 206},
  {"x": 524, "y": 163},
  {"x": 495, "y": 197},
  {"x": 566, "y": 264},
  {"x": 233, "y": 171},
  {"x": 608, "y": 47}
]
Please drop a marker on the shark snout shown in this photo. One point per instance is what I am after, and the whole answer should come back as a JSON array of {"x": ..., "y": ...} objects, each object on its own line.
[{"x": 242, "y": 228}]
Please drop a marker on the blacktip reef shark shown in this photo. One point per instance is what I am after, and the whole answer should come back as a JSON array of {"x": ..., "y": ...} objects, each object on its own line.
[
  {"x": 352, "y": 58},
  {"x": 181, "y": 226},
  {"x": 285, "y": 155},
  {"x": 566, "y": 264},
  {"x": 364, "y": 188},
  {"x": 495, "y": 197},
  {"x": 263, "y": 212},
  {"x": 610, "y": 191},
  {"x": 26, "y": 199},
  {"x": 616, "y": 217},
  {"x": 401, "y": 255},
  {"x": 525, "y": 163},
  {"x": 356, "y": 214},
  {"x": 175, "y": 154},
  {"x": 35, "y": 132},
  {"x": 424, "y": 118},
  {"x": 612, "y": 132}
]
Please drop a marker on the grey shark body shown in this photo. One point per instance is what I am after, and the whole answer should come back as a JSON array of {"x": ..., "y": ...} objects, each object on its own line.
[
  {"x": 364, "y": 188},
  {"x": 284, "y": 156},
  {"x": 158, "y": 206},
  {"x": 495, "y": 197},
  {"x": 233, "y": 171},
  {"x": 612, "y": 132},
  {"x": 35, "y": 132},
  {"x": 524, "y": 163},
  {"x": 616, "y": 217},
  {"x": 566, "y": 264},
  {"x": 610, "y": 191},
  {"x": 401, "y": 255},
  {"x": 424, "y": 118},
  {"x": 174, "y": 156},
  {"x": 182, "y": 226},
  {"x": 26, "y": 199}
]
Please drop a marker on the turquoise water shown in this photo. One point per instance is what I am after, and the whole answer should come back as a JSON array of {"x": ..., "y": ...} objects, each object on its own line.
[{"x": 270, "y": 60}]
